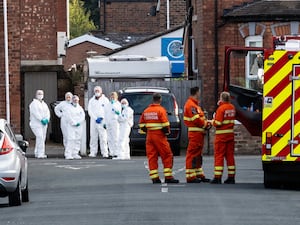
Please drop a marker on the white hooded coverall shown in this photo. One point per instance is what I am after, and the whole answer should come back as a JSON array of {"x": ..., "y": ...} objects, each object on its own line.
[
  {"x": 126, "y": 122},
  {"x": 60, "y": 111},
  {"x": 113, "y": 110},
  {"x": 75, "y": 116},
  {"x": 39, "y": 110},
  {"x": 96, "y": 109}
]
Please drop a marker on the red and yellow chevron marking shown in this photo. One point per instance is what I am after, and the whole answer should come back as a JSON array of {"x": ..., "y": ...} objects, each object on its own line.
[{"x": 277, "y": 114}]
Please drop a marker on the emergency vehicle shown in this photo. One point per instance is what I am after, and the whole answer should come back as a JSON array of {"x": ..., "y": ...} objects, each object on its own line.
[{"x": 269, "y": 104}]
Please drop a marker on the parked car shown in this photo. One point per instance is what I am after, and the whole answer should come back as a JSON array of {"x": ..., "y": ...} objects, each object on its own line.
[
  {"x": 13, "y": 166},
  {"x": 139, "y": 98}
]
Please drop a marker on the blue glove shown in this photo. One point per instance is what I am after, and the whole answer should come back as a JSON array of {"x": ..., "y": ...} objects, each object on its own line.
[
  {"x": 77, "y": 124},
  {"x": 99, "y": 120},
  {"x": 117, "y": 112},
  {"x": 104, "y": 126}
]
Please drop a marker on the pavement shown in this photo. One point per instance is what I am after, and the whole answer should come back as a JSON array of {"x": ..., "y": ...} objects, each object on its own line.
[
  {"x": 56, "y": 150},
  {"x": 53, "y": 150}
]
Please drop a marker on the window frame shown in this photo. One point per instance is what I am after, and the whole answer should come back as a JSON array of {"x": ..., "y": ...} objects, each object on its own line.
[{"x": 258, "y": 40}]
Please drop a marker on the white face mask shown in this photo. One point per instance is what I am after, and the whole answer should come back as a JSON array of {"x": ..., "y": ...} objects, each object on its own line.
[
  {"x": 40, "y": 97},
  {"x": 97, "y": 94}
]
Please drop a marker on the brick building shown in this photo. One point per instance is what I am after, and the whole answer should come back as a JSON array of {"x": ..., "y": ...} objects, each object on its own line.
[
  {"x": 81, "y": 47},
  {"x": 216, "y": 24},
  {"x": 140, "y": 16},
  {"x": 37, "y": 31}
]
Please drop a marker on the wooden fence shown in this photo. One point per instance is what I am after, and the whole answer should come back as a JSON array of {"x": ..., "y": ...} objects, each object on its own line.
[{"x": 180, "y": 88}]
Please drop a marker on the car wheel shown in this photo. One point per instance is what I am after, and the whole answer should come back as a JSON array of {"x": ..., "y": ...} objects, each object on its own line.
[
  {"x": 25, "y": 194},
  {"x": 14, "y": 198}
]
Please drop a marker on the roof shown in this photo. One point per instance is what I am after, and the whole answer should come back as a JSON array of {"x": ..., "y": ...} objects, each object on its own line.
[
  {"x": 122, "y": 39},
  {"x": 264, "y": 10},
  {"x": 94, "y": 40},
  {"x": 137, "y": 40}
]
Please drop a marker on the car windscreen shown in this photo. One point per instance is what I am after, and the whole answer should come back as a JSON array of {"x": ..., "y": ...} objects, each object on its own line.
[{"x": 140, "y": 101}]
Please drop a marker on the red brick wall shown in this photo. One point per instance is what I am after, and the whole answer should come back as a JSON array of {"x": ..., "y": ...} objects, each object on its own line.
[
  {"x": 39, "y": 26},
  {"x": 177, "y": 10},
  {"x": 228, "y": 34},
  {"x": 132, "y": 16},
  {"x": 244, "y": 142},
  {"x": 13, "y": 21},
  {"x": 32, "y": 27},
  {"x": 204, "y": 33},
  {"x": 77, "y": 54},
  {"x": 61, "y": 15}
]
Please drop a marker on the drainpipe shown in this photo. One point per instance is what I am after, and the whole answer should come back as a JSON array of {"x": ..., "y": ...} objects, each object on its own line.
[
  {"x": 216, "y": 52},
  {"x": 68, "y": 19},
  {"x": 6, "y": 61},
  {"x": 194, "y": 65},
  {"x": 104, "y": 16},
  {"x": 168, "y": 14},
  {"x": 189, "y": 38}
]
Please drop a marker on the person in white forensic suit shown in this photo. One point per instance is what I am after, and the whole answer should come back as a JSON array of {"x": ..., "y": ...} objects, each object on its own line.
[
  {"x": 60, "y": 112},
  {"x": 96, "y": 111},
  {"x": 126, "y": 122},
  {"x": 75, "y": 117},
  {"x": 38, "y": 122},
  {"x": 112, "y": 112}
]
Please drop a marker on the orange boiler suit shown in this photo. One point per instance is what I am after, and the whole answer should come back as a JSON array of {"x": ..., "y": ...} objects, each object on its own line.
[
  {"x": 154, "y": 118},
  {"x": 196, "y": 122},
  {"x": 224, "y": 139}
]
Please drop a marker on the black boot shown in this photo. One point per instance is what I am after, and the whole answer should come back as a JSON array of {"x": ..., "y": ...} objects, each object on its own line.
[
  {"x": 171, "y": 181},
  {"x": 205, "y": 180},
  {"x": 229, "y": 180},
  {"x": 156, "y": 181},
  {"x": 196, "y": 180},
  {"x": 216, "y": 181}
]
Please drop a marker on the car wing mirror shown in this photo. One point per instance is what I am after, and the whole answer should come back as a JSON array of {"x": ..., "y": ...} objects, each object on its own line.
[{"x": 23, "y": 145}]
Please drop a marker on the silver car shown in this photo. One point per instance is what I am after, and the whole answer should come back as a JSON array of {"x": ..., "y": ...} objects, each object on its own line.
[{"x": 13, "y": 166}]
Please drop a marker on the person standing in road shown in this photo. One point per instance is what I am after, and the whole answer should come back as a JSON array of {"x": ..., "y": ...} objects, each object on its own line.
[
  {"x": 39, "y": 119},
  {"x": 75, "y": 117},
  {"x": 154, "y": 121},
  {"x": 223, "y": 121},
  {"x": 112, "y": 112},
  {"x": 96, "y": 111},
  {"x": 197, "y": 124},
  {"x": 60, "y": 112},
  {"x": 126, "y": 122}
]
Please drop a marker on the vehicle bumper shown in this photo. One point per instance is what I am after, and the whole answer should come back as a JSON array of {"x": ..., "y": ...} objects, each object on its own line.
[{"x": 9, "y": 168}]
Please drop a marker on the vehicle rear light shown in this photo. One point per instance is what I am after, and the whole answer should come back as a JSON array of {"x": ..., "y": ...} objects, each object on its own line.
[
  {"x": 175, "y": 107},
  {"x": 8, "y": 178},
  {"x": 268, "y": 143},
  {"x": 6, "y": 146}
]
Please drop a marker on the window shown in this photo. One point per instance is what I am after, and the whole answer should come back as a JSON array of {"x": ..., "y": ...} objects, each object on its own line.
[
  {"x": 254, "y": 64},
  {"x": 140, "y": 101}
]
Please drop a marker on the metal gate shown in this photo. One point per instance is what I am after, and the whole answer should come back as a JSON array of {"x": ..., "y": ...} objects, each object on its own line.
[{"x": 33, "y": 81}]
